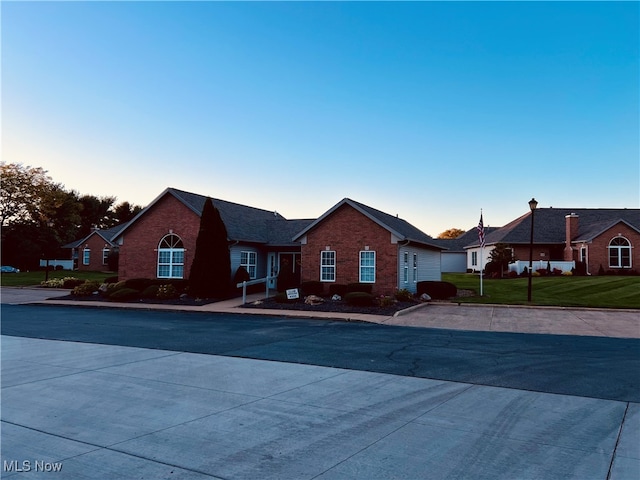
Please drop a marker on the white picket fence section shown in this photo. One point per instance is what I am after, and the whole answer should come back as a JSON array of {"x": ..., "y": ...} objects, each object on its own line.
[
  {"x": 66, "y": 264},
  {"x": 519, "y": 265}
]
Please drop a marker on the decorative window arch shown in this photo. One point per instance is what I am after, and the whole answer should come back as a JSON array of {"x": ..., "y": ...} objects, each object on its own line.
[
  {"x": 171, "y": 257},
  {"x": 619, "y": 253}
]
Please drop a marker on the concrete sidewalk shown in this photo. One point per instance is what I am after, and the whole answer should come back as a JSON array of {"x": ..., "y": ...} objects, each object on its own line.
[
  {"x": 89, "y": 411},
  {"x": 493, "y": 318}
]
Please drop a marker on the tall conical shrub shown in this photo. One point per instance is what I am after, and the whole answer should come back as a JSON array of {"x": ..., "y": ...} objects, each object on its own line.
[{"x": 210, "y": 274}]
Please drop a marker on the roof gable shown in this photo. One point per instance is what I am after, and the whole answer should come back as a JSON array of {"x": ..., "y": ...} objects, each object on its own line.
[
  {"x": 400, "y": 228},
  {"x": 243, "y": 223}
]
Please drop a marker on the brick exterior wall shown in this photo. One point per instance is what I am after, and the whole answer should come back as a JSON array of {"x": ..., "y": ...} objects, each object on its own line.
[
  {"x": 598, "y": 251},
  {"x": 540, "y": 252},
  {"x": 95, "y": 243},
  {"x": 347, "y": 232},
  {"x": 139, "y": 252}
]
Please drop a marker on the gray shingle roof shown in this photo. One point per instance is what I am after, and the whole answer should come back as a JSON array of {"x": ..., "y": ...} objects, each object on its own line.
[
  {"x": 457, "y": 244},
  {"x": 550, "y": 225},
  {"x": 399, "y": 227},
  {"x": 108, "y": 234},
  {"x": 243, "y": 223}
]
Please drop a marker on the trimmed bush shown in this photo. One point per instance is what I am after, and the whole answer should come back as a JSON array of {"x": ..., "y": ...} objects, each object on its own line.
[
  {"x": 124, "y": 295},
  {"x": 150, "y": 292},
  {"x": 337, "y": 289},
  {"x": 165, "y": 292},
  {"x": 111, "y": 280},
  {"x": 138, "y": 283},
  {"x": 71, "y": 282},
  {"x": 437, "y": 290},
  {"x": 386, "y": 301},
  {"x": 52, "y": 283},
  {"x": 359, "y": 299},
  {"x": 86, "y": 289},
  {"x": 360, "y": 287},
  {"x": 313, "y": 288},
  {"x": 404, "y": 295},
  {"x": 240, "y": 276}
]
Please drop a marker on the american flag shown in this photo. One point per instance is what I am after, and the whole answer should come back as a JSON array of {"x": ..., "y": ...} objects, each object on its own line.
[{"x": 481, "y": 231}]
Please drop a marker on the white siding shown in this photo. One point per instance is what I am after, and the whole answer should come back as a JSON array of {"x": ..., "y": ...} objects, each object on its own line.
[
  {"x": 486, "y": 251},
  {"x": 429, "y": 266}
]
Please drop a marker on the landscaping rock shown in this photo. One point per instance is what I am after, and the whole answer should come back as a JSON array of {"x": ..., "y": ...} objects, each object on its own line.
[{"x": 313, "y": 300}]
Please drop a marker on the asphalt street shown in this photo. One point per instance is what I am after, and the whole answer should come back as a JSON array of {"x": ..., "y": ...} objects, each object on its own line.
[{"x": 596, "y": 367}]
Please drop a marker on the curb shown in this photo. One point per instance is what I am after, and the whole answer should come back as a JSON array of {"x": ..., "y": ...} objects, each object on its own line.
[{"x": 406, "y": 311}]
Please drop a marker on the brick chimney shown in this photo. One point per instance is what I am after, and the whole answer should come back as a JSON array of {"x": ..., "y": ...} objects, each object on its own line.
[{"x": 571, "y": 230}]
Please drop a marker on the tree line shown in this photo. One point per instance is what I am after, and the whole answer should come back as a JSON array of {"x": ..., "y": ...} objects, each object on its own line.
[{"x": 38, "y": 215}]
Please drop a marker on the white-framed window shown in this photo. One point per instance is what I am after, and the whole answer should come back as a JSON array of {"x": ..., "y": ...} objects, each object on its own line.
[
  {"x": 620, "y": 253},
  {"x": 415, "y": 268},
  {"x": 249, "y": 260},
  {"x": 367, "y": 266},
  {"x": 328, "y": 266},
  {"x": 105, "y": 256},
  {"x": 171, "y": 257},
  {"x": 474, "y": 259},
  {"x": 405, "y": 273},
  {"x": 86, "y": 256}
]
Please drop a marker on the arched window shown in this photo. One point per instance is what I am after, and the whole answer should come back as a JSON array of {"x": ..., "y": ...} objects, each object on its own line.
[
  {"x": 171, "y": 257},
  {"x": 620, "y": 253}
]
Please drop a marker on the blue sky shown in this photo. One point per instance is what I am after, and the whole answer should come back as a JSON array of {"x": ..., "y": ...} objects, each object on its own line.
[{"x": 429, "y": 110}]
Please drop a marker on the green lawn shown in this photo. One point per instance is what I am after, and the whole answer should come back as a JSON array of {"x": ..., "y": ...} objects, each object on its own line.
[
  {"x": 593, "y": 291},
  {"x": 26, "y": 279}
]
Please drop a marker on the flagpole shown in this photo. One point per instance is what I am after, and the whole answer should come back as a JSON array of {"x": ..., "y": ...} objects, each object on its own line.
[
  {"x": 481, "y": 269},
  {"x": 481, "y": 240}
]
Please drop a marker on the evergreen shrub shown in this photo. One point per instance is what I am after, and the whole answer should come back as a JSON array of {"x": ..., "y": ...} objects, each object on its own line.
[
  {"x": 124, "y": 295},
  {"x": 150, "y": 292}
]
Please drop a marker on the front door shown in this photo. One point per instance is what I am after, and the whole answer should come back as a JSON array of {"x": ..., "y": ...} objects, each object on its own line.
[
  {"x": 289, "y": 271},
  {"x": 272, "y": 268}
]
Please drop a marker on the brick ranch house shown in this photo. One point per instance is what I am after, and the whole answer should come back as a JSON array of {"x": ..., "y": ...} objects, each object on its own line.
[
  {"x": 354, "y": 243},
  {"x": 602, "y": 237},
  {"x": 160, "y": 241},
  {"x": 350, "y": 243},
  {"x": 92, "y": 252}
]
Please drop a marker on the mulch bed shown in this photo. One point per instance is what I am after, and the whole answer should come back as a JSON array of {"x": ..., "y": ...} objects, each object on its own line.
[
  {"x": 187, "y": 301},
  {"x": 335, "y": 306}
]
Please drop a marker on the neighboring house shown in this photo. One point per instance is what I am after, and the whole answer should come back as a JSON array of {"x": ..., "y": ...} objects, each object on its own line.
[
  {"x": 454, "y": 259},
  {"x": 603, "y": 237},
  {"x": 160, "y": 241},
  {"x": 92, "y": 252},
  {"x": 354, "y": 243}
]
